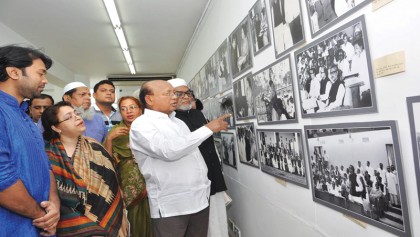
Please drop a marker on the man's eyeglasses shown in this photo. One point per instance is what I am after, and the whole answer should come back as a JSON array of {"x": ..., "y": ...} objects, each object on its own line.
[
  {"x": 127, "y": 108},
  {"x": 70, "y": 116},
  {"x": 181, "y": 94}
]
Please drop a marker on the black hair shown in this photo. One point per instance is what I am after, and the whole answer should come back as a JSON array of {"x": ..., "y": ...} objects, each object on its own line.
[
  {"x": 19, "y": 57},
  {"x": 108, "y": 82},
  {"x": 144, "y": 90},
  {"x": 49, "y": 118},
  {"x": 42, "y": 96},
  {"x": 199, "y": 105}
]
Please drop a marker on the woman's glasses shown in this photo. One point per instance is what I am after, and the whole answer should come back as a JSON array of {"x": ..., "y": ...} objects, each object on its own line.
[
  {"x": 70, "y": 116},
  {"x": 127, "y": 108}
]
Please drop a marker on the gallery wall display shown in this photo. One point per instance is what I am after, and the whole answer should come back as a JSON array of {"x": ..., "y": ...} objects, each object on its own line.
[
  {"x": 240, "y": 48},
  {"x": 247, "y": 144},
  {"x": 323, "y": 14},
  {"x": 281, "y": 154},
  {"x": 228, "y": 155},
  {"x": 273, "y": 93},
  {"x": 260, "y": 32},
  {"x": 287, "y": 25},
  {"x": 224, "y": 73},
  {"x": 413, "y": 106},
  {"x": 334, "y": 73},
  {"x": 356, "y": 169},
  {"x": 243, "y": 98}
]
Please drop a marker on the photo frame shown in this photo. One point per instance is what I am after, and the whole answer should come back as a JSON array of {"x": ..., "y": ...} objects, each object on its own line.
[
  {"x": 413, "y": 106},
  {"x": 287, "y": 26},
  {"x": 282, "y": 155},
  {"x": 322, "y": 15},
  {"x": 331, "y": 83},
  {"x": 362, "y": 151},
  {"x": 224, "y": 73},
  {"x": 228, "y": 155},
  {"x": 247, "y": 144},
  {"x": 218, "y": 106},
  {"x": 212, "y": 76},
  {"x": 243, "y": 98},
  {"x": 273, "y": 93},
  {"x": 260, "y": 32},
  {"x": 204, "y": 83},
  {"x": 240, "y": 50},
  {"x": 196, "y": 86}
]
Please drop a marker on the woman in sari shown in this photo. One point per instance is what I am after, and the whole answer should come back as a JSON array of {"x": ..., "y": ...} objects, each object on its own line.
[
  {"x": 131, "y": 180},
  {"x": 91, "y": 199}
]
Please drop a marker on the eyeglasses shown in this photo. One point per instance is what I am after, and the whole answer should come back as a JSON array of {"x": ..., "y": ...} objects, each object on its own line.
[
  {"x": 83, "y": 94},
  {"x": 70, "y": 116},
  {"x": 131, "y": 108},
  {"x": 189, "y": 93}
]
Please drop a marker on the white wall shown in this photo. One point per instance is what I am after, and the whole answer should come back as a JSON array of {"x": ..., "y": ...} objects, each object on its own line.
[{"x": 263, "y": 207}]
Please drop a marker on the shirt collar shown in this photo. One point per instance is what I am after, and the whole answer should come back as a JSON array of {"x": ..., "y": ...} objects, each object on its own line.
[
  {"x": 99, "y": 110},
  {"x": 12, "y": 101}
]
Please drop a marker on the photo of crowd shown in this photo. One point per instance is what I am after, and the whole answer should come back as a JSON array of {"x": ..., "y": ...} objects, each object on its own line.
[
  {"x": 356, "y": 170},
  {"x": 259, "y": 26},
  {"x": 281, "y": 155},
  {"x": 247, "y": 144},
  {"x": 228, "y": 155},
  {"x": 335, "y": 75},
  {"x": 240, "y": 49},
  {"x": 273, "y": 93}
]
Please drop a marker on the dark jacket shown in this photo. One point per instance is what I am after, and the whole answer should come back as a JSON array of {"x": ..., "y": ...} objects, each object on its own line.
[{"x": 195, "y": 119}]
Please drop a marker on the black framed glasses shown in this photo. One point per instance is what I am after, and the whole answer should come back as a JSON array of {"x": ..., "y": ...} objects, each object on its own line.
[
  {"x": 71, "y": 116},
  {"x": 127, "y": 108},
  {"x": 189, "y": 93}
]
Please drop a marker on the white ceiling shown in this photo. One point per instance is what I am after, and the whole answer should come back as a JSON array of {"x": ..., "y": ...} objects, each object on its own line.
[{"x": 79, "y": 35}]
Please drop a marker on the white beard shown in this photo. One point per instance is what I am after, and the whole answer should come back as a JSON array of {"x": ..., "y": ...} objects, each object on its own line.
[
  {"x": 85, "y": 114},
  {"x": 185, "y": 107}
]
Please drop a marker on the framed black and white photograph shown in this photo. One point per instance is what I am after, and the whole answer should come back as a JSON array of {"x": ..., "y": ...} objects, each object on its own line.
[
  {"x": 224, "y": 73},
  {"x": 226, "y": 106},
  {"x": 228, "y": 155},
  {"x": 273, "y": 93},
  {"x": 334, "y": 73},
  {"x": 323, "y": 14},
  {"x": 260, "y": 32},
  {"x": 195, "y": 86},
  {"x": 204, "y": 84},
  {"x": 356, "y": 169},
  {"x": 247, "y": 144},
  {"x": 243, "y": 98},
  {"x": 240, "y": 49},
  {"x": 218, "y": 145},
  {"x": 287, "y": 25},
  {"x": 211, "y": 75},
  {"x": 211, "y": 109},
  {"x": 281, "y": 154},
  {"x": 413, "y": 106}
]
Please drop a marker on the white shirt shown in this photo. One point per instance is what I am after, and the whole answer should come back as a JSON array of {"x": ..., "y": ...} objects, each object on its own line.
[{"x": 171, "y": 163}]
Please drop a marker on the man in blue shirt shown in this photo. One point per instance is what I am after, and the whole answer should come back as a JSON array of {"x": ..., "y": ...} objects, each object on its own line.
[
  {"x": 104, "y": 94},
  {"x": 29, "y": 205}
]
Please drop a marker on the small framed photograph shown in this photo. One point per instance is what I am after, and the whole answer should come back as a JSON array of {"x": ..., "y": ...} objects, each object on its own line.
[
  {"x": 334, "y": 73},
  {"x": 211, "y": 75},
  {"x": 218, "y": 145},
  {"x": 287, "y": 25},
  {"x": 228, "y": 155},
  {"x": 273, "y": 93},
  {"x": 323, "y": 14},
  {"x": 413, "y": 105},
  {"x": 196, "y": 86},
  {"x": 281, "y": 154},
  {"x": 243, "y": 97},
  {"x": 356, "y": 169},
  {"x": 260, "y": 32},
  {"x": 223, "y": 71},
  {"x": 204, "y": 83},
  {"x": 216, "y": 107},
  {"x": 240, "y": 49},
  {"x": 247, "y": 144}
]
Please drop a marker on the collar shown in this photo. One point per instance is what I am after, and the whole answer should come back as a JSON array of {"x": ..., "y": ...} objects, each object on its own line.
[
  {"x": 99, "y": 110},
  {"x": 12, "y": 101},
  {"x": 158, "y": 114}
]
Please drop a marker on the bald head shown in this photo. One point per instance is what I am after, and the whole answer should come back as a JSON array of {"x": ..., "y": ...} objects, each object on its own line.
[{"x": 158, "y": 95}]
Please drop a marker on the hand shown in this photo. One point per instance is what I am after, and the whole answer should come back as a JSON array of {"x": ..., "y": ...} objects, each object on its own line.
[
  {"x": 219, "y": 124},
  {"x": 120, "y": 131},
  {"x": 48, "y": 223}
]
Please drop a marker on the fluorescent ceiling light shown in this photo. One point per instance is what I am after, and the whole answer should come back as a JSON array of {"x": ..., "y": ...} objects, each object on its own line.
[{"x": 116, "y": 24}]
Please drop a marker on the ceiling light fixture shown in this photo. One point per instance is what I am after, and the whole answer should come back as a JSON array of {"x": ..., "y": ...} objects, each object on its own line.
[{"x": 116, "y": 24}]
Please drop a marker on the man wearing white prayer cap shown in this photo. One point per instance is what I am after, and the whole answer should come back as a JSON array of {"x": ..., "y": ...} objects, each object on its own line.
[
  {"x": 195, "y": 119},
  {"x": 78, "y": 95}
]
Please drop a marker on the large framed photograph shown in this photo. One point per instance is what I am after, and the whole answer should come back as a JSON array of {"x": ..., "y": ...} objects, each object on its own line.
[
  {"x": 247, "y": 144},
  {"x": 287, "y": 25},
  {"x": 224, "y": 73},
  {"x": 259, "y": 27},
  {"x": 204, "y": 83},
  {"x": 273, "y": 93},
  {"x": 216, "y": 107},
  {"x": 335, "y": 73},
  {"x": 356, "y": 169},
  {"x": 211, "y": 75},
  {"x": 281, "y": 154},
  {"x": 228, "y": 155},
  {"x": 243, "y": 98},
  {"x": 323, "y": 14},
  {"x": 413, "y": 106},
  {"x": 240, "y": 49},
  {"x": 195, "y": 86}
]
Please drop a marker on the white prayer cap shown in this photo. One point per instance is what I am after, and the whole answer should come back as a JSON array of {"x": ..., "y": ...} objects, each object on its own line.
[
  {"x": 177, "y": 82},
  {"x": 72, "y": 85}
]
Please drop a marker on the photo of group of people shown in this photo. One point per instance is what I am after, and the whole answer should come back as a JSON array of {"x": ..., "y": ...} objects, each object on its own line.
[
  {"x": 247, "y": 144},
  {"x": 259, "y": 26},
  {"x": 281, "y": 154},
  {"x": 355, "y": 169},
  {"x": 335, "y": 75},
  {"x": 228, "y": 155},
  {"x": 273, "y": 93}
]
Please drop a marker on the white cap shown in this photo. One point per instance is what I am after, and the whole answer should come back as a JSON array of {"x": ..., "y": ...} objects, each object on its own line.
[
  {"x": 177, "y": 82},
  {"x": 72, "y": 85}
]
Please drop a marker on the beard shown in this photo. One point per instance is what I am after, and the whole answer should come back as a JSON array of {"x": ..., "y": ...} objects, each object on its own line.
[
  {"x": 85, "y": 113},
  {"x": 185, "y": 107}
]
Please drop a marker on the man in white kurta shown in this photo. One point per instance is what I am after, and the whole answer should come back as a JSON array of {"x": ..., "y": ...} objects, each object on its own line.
[{"x": 168, "y": 156}]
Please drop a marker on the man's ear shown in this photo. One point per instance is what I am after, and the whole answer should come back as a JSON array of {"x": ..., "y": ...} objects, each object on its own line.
[
  {"x": 94, "y": 95},
  {"x": 66, "y": 98},
  {"x": 13, "y": 72},
  {"x": 148, "y": 99}
]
